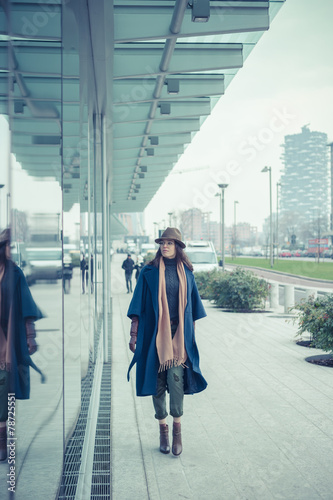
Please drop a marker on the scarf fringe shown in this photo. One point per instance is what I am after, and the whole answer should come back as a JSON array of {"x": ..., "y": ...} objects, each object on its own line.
[{"x": 171, "y": 363}]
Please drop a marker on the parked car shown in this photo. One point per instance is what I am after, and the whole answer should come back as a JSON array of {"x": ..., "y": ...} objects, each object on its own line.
[
  {"x": 327, "y": 254},
  {"x": 311, "y": 254},
  {"x": 296, "y": 253},
  {"x": 202, "y": 255},
  {"x": 46, "y": 262},
  {"x": 285, "y": 253}
]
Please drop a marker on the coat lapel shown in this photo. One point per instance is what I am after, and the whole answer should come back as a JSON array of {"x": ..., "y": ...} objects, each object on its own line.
[
  {"x": 189, "y": 287},
  {"x": 152, "y": 278}
]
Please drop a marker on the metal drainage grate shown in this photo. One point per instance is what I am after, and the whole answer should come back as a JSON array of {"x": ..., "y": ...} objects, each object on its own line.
[
  {"x": 72, "y": 458},
  {"x": 73, "y": 452},
  {"x": 101, "y": 476}
]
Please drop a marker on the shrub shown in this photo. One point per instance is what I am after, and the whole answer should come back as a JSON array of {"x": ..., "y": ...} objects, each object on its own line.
[
  {"x": 315, "y": 315},
  {"x": 240, "y": 290},
  {"x": 203, "y": 279}
]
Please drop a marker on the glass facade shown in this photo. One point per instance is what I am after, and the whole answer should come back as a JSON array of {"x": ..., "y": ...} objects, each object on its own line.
[{"x": 54, "y": 198}]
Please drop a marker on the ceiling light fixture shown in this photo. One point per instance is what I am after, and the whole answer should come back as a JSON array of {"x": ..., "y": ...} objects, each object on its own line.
[
  {"x": 173, "y": 86},
  {"x": 19, "y": 107},
  {"x": 165, "y": 108},
  {"x": 200, "y": 11},
  {"x": 153, "y": 140}
]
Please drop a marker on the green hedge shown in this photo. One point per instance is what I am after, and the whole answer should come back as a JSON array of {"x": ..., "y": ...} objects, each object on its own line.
[
  {"x": 315, "y": 315},
  {"x": 240, "y": 290}
]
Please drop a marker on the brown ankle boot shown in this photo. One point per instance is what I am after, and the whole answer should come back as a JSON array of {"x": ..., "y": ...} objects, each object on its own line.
[
  {"x": 177, "y": 447},
  {"x": 3, "y": 444},
  {"x": 164, "y": 439}
]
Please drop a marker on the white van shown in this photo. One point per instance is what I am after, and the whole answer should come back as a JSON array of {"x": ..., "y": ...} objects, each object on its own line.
[
  {"x": 46, "y": 262},
  {"x": 202, "y": 255}
]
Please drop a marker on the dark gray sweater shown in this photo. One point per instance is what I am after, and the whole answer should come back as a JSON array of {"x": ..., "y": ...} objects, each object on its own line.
[{"x": 172, "y": 286}]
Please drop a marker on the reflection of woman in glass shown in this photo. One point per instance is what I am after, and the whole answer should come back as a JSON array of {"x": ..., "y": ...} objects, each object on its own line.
[
  {"x": 18, "y": 312},
  {"x": 163, "y": 309}
]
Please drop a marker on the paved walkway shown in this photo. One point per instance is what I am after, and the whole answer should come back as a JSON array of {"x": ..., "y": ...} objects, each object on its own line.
[{"x": 263, "y": 429}]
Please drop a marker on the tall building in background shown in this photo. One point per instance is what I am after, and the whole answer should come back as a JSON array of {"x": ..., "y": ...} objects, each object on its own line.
[
  {"x": 304, "y": 198},
  {"x": 192, "y": 222}
]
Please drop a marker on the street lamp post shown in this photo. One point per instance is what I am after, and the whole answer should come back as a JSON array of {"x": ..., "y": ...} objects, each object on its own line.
[
  {"x": 269, "y": 169},
  {"x": 170, "y": 215},
  {"x": 222, "y": 187},
  {"x": 156, "y": 230},
  {"x": 235, "y": 229},
  {"x": 220, "y": 203},
  {"x": 278, "y": 184}
]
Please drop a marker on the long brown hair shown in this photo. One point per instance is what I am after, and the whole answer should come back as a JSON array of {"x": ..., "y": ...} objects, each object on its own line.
[
  {"x": 3, "y": 256},
  {"x": 180, "y": 256}
]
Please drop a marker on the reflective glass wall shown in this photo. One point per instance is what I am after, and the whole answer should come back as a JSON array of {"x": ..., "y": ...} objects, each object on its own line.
[{"x": 51, "y": 196}]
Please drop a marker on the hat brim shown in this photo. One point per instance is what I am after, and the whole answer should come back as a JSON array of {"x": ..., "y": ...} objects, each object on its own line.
[{"x": 180, "y": 243}]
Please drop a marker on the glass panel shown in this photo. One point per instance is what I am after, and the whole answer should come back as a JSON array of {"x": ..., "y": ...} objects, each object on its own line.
[
  {"x": 72, "y": 188},
  {"x": 31, "y": 76}
]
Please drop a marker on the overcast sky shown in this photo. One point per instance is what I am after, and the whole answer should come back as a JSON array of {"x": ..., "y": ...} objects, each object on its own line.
[{"x": 285, "y": 83}]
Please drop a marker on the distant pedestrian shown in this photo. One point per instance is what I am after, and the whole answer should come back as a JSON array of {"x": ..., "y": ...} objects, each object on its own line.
[
  {"x": 138, "y": 266},
  {"x": 164, "y": 307},
  {"x": 83, "y": 265},
  {"x": 128, "y": 266},
  {"x": 92, "y": 272}
]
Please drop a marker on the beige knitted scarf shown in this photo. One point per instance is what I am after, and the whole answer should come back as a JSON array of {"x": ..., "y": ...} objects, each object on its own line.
[{"x": 171, "y": 351}]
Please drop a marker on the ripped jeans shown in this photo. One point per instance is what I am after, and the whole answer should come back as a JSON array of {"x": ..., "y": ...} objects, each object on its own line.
[{"x": 173, "y": 379}]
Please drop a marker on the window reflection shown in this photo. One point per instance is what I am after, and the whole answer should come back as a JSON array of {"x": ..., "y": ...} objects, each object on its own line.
[
  {"x": 51, "y": 196},
  {"x": 31, "y": 203}
]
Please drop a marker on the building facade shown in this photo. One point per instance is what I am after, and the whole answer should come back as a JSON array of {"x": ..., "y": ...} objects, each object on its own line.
[{"x": 304, "y": 201}]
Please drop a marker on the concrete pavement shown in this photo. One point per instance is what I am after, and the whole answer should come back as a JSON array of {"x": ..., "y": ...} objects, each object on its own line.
[{"x": 263, "y": 429}]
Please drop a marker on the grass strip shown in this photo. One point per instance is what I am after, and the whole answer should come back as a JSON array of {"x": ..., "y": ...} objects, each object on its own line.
[{"x": 310, "y": 269}]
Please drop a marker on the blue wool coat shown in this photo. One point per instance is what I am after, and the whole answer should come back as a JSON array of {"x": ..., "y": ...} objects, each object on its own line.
[
  {"x": 17, "y": 305},
  {"x": 144, "y": 304}
]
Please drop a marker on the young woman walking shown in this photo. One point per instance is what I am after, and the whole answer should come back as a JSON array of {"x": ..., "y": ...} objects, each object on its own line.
[{"x": 164, "y": 307}]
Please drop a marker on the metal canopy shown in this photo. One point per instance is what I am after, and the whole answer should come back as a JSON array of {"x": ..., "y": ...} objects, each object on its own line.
[
  {"x": 166, "y": 69},
  {"x": 157, "y": 46}
]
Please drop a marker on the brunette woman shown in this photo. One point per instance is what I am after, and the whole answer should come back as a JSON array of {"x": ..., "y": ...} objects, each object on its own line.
[{"x": 164, "y": 307}]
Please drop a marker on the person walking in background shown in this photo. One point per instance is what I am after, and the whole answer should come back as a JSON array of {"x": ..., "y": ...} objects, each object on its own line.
[
  {"x": 138, "y": 266},
  {"x": 128, "y": 266},
  {"x": 164, "y": 307},
  {"x": 83, "y": 265},
  {"x": 18, "y": 312},
  {"x": 92, "y": 272}
]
